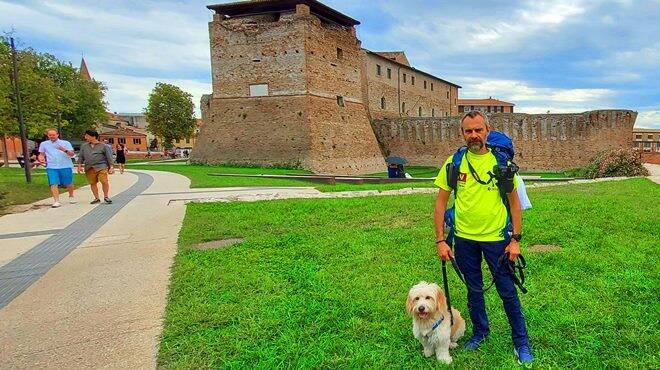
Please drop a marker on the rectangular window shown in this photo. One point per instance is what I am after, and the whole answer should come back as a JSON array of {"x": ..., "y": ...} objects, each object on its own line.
[
  {"x": 137, "y": 141},
  {"x": 340, "y": 54},
  {"x": 431, "y": 86},
  {"x": 340, "y": 101},
  {"x": 122, "y": 140},
  {"x": 188, "y": 141},
  {"x": 650, "y": 136},
  {"x": 389, "y": 73},
  {"x": 424, "y": 84},
  {"x": 412, "y": 80},
  {"x": 488, "y": 109},
  {"x": 259, "y": 90},
  {"x": 405, "y": 78},
  {"x": 403, "y": 107},
  {"x": 377, "y": 69},
  {"x": 432, "y": 112},
  {"x": 447, "y": 94},
  {"x": 382, "y": 103},
  {"x": 446, "y": 114},
  {"x": 111, "y": 140},
  {"x": 420, "y": 111}
]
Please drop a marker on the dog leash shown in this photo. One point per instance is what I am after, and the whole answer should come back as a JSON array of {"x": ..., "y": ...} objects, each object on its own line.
[
  {"x": 512, "y": 267},
  {"x": 446, "y": 287},
  {"x": 515, "y": 269}
]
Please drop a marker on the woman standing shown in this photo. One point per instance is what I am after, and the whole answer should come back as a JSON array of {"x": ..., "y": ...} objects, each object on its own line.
[{"x": 121, "y": 157}]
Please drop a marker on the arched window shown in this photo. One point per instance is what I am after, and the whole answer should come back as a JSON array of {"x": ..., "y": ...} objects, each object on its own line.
[
  {"x": 420, "y": 111},
  {"x": 382, "y": 103},
  {"x": 403, "y": 107}
]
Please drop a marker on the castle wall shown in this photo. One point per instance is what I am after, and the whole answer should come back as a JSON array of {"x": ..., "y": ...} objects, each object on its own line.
[
  {"x": 399, "y": 91},
  {"x": 313, "y": 117},
  {"x": 543, "y": 142}
]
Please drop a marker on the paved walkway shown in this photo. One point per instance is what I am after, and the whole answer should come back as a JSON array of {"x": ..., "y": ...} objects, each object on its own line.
[
  {"x": 86, "y": 286},
  {"x": 655, "y": 172}
]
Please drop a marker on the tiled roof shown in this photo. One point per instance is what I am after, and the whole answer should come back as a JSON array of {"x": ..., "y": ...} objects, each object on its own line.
[
  {"x": 489, "y": 101},
  {"x": 123, "y": 131}
]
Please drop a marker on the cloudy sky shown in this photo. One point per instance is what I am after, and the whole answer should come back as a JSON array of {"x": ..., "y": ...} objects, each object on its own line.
[{"x": 558, "y": 56}]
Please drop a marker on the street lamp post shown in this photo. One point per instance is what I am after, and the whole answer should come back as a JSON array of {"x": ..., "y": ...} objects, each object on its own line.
[{"x": 17, "y": 96}]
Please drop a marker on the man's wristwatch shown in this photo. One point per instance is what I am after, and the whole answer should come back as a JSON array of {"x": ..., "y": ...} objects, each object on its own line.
[
  {"x": 439, "y": 241},
  {"x": 516, "y": 237}
]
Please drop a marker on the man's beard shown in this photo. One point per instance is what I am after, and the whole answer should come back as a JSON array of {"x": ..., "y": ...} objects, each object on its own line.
[{"x": 475, "y": 146}]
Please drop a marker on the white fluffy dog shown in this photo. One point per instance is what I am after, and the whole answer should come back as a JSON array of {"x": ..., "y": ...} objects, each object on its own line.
[{"x": 431, "y": 321}]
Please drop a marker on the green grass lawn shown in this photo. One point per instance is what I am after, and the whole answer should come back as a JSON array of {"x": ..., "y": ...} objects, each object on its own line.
[
  {"x": 199, "y": 178},
  {"x": 322, "y": 283},
  {"x": 14, "y": 190}
]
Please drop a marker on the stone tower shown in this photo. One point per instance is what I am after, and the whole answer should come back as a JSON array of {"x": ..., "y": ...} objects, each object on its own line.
[{"x": 289, "y": 89}]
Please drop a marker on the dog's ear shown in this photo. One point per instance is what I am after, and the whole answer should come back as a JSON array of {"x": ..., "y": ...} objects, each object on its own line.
[
  {"x": 440, "y": 298},
  {"x": 409, "y": 304}
]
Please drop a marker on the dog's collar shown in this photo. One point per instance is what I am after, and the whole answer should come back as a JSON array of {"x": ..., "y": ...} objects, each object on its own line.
[{"x": 435, "y": 325}]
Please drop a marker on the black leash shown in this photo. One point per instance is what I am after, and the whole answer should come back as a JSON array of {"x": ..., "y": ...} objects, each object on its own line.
[
  {"x": 446, "y": 287},
  {"x": 515, "y": 269}
]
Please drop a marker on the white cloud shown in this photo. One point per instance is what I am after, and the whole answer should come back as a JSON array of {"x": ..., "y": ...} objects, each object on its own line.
[
  {"x": 162, "y": 38},
  {"x": 482, "y": 33},
  {"x": 130, "y": 94},
  {"x": 648, "y": 118},
  {"x": 520, "y": 91}
]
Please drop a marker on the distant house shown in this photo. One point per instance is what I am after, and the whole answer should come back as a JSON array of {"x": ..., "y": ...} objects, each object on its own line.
[
  {"x": 646, "y": 139},
  {"x": 489, "y": 105},
  {"x": 133, "y": 140},
  {"x": 188, "y": 143}
]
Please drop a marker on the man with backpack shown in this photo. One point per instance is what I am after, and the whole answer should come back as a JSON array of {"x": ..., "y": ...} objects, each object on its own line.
[{"x": 486, "y": 221}]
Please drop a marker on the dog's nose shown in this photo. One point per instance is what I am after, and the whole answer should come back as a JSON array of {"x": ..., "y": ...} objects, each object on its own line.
[{"x": 421, "y": 309}]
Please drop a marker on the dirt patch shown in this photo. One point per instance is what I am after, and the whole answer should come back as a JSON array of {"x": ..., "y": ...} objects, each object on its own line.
[
  {"x": 217, "y": 244},
  {"x": 540, "y": 248}
]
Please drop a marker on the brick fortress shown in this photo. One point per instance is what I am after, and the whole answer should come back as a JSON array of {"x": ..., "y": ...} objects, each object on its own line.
[{"x": 292, "y": 86}]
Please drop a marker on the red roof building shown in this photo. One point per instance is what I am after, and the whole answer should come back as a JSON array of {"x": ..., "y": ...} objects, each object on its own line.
[{"x": 489, "y": 105}]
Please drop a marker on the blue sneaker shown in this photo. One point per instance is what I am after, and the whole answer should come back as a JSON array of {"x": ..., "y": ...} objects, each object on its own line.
[
  {"x": 524, "y": 355},
  {"x": 474, "y": 342}
]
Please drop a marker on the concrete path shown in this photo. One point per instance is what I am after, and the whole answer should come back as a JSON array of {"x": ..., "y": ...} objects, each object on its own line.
[
  {"x": 655, "y": 172},
  {"x": 97, "y": 301}
]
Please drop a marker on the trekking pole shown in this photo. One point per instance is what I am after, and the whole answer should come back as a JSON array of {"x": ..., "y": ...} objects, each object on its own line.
[{"x": 446, "y": 287}]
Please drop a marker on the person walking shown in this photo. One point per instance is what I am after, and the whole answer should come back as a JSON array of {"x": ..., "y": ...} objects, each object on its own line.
[
  {"x": 479, "y": 221},
  {"x": 121, "y": 157},
  {"x": 96, "y": 159},
  {"x": 57, "y": 154}
]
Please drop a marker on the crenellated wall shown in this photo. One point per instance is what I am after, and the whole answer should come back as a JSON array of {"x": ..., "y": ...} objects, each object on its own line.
[{"x": 543, "y": 142}]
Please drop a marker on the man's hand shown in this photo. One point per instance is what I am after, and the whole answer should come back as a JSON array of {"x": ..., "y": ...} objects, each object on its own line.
[
  {"x": 514, "y": 250},
  {"x": 111, "y": 170},
  {"x": 80, "y": 169},
  {"x": 444, "y": 252}
]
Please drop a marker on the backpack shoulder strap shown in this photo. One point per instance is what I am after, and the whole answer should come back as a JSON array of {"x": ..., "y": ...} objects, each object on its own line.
[{"x": 453, "y": 168}]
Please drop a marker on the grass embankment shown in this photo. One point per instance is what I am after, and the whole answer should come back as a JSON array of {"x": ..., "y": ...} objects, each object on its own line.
[
  {"x": 322, "y": 283},
  {"x": 199, "y": 177},
  {"x": 14, "y": 190}
]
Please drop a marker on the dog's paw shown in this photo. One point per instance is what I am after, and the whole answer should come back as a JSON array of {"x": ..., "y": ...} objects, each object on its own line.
[
  {"x": 428, "y": 352},
  {"x": 447, "y": 360},
  {"x": 453, "y": 345}
]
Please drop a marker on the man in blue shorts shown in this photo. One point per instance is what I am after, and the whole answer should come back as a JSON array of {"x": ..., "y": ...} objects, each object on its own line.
[{"x": 59, "y": 166}]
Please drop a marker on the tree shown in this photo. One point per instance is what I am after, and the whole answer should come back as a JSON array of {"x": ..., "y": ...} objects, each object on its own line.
[
  {"x": 53, "y": 94},
  {"x": 170, "y": 113}
]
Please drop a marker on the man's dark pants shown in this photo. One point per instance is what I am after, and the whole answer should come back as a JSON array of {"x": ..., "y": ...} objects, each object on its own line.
[{"x": 468, "y": 256}]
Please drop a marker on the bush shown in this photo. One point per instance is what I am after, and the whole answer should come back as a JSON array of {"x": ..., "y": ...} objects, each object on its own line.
[{"x": 615, "y": 163}]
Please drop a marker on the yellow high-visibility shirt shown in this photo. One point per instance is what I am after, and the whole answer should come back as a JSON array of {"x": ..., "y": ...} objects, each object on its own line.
[{"x": 480, "y": 213}]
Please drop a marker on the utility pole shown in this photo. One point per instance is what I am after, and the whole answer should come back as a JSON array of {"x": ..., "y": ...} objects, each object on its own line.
[{"x": 17, "y": 96}]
